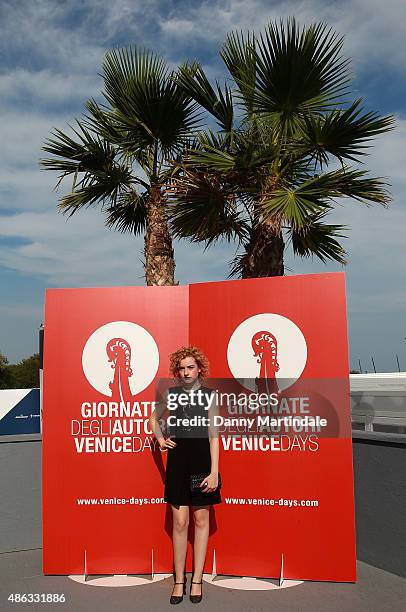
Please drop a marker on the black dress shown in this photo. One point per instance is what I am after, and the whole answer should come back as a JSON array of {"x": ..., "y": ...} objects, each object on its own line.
[{"x": 190, "y": 456}]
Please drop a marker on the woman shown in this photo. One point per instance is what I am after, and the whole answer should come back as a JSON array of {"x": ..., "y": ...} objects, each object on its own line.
[{"x": 193, "y": 451}]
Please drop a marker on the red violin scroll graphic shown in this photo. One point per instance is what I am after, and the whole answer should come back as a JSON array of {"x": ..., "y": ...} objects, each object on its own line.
[
  {"x": 119, "y": 353},
  {"x": 265, "y": 349}
]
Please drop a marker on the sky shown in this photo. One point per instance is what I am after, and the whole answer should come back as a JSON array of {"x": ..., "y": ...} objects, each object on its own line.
[{"x": 50, "y": 62}]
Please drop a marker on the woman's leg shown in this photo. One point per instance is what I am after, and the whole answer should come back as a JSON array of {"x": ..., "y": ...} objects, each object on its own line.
[
  {"x": 201, "y": 522},
  {"x": 179, "y": 539}
]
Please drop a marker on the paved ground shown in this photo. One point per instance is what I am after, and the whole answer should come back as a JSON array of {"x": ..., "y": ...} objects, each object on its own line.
[{"x": 375, "y": 591}]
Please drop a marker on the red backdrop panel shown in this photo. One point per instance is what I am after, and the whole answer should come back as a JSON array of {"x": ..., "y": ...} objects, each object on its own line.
[
  {"x": 317, "y": 543},
  {"x": 117, "y": 538}
]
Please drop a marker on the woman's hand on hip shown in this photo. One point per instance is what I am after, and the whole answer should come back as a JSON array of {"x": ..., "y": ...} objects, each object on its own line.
[
  {"x": 212, "y": 481},
  {"x": 167, "y": 443}
]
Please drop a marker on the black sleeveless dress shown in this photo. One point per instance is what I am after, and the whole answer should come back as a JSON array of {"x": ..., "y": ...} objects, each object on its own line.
[{"x": 190, "y": 456}]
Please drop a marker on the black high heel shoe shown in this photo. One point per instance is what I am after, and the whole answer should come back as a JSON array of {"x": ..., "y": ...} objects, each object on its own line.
[
  {"x": 176, "y": 599},
  {"x": 196, "y": 598}
]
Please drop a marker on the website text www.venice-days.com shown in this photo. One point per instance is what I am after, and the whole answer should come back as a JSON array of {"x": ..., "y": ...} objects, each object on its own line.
[{"x": 242, "y": 501}]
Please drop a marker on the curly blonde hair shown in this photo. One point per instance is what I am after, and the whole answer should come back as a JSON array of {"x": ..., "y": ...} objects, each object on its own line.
[{"x": 189, "y": 351}]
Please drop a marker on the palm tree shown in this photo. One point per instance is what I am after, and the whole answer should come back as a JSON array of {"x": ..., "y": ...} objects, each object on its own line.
[
  {"x": 262, "y": 175},
  {"x": 118, "y": 155}
]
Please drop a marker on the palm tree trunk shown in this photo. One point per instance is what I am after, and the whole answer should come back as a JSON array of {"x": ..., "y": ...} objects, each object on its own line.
[
  {"x": 264, "y": 253},
  {"x": 158, "y": 250}
]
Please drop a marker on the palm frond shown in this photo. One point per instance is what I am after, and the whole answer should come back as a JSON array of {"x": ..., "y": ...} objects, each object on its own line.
[
  {"x": 86, "y": 154},
  {"x": 254, "y": 147},
  {"x": 352, "y": 184},
  {"x": 299, "y": 72},
  {"x": 209, "y": 138},
  {"x": 98, "y": 187},
  {"x": 129, "y": 213},
  {"x": 193, "y": 81},
  {"x": 101, "y": 121},
  {"x": 97, "y": 176},
  {"x": 205, "y": 209},
  {"x": 319, "y": 239},
  {"x": 295, "y": 204},
  {"x": 238, "y": 54},
  {"x": 214, "y": 159},
  {"x": 146, "y": 101},
  {"x": 238, "y": 263},
  {"x": 248, "y": 152},
  {"x": 342, "y": 133}
]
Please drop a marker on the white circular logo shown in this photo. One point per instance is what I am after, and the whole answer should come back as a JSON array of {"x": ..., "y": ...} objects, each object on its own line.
[
  {"x": 287, "y": 350},
  {"x": 140, "y": 356}
]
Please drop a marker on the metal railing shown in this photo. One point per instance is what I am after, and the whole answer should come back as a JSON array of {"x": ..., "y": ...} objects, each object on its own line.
[{"x": 378, "y": 402}]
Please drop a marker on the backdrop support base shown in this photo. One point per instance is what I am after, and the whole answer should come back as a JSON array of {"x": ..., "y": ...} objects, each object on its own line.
[
  {"x": 250, "y": 583},
  {"x": 214, "y": 567},
  {"x": 85, "y": 568},
  {"x": 281, "y": 577},
  {"x": 117, "y": 580}
]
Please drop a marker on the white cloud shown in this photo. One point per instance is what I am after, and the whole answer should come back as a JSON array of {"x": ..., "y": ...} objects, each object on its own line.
[
  {"x": 78, "y": 252},
  {"x": 82, "y": 252},
  {"x": 38, "y": 34},
  {"x": 42, "y": 88},
  {"x": 373, "y": 32}
]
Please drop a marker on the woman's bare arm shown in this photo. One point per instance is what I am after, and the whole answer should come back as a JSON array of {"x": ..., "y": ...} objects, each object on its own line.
[
  {"x": 214, "y": 438},
  {"x": 154, "y": 423},
  {"x": 214, "y": 454}
]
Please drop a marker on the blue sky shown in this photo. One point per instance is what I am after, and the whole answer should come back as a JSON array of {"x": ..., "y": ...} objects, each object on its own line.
[{"x": 51, "y": 59}]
